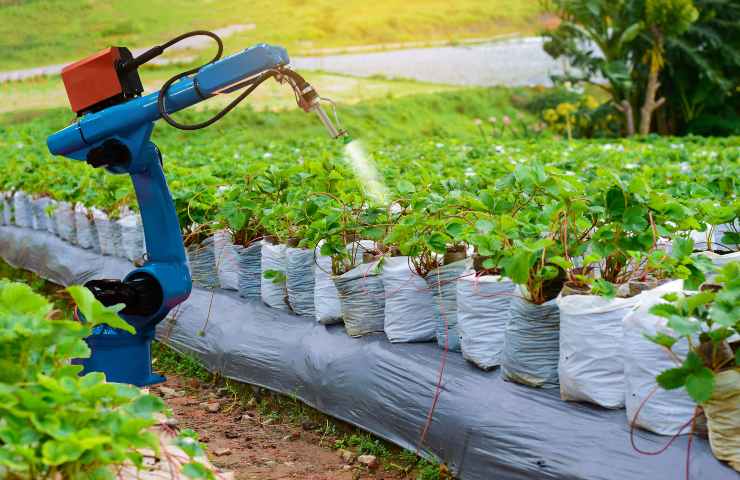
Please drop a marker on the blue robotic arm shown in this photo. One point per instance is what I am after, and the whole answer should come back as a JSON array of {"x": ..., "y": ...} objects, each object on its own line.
[{"x": 118, "y": 138}]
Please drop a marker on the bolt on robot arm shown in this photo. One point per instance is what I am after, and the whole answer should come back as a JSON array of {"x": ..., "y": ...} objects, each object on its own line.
[{"x": 114, "y": 132}]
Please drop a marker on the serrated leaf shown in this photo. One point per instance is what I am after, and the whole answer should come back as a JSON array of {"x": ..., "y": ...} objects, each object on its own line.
[
  {"x": 437, "y": 242},
  {"x": 683, "y": 326},
  {"x": 700, "y": 385},
  {"x": 484, "y": 226},
  {"x": 662, "y": 339},
  {"x": 516, "y": 266},
  {"x": 455, "y": 229},
  {"x": 58, "y": 452},
  {"x": 96, "y": 313},
  {"x": 673, "y": 378}
]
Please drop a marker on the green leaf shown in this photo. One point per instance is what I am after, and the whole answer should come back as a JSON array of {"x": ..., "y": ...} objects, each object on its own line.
[
  {"x": 20, "y": 299},
  {"x": 630, "y": 33},
  {"x": 437, "y": 242},
  {"x": 662, "y": 339},
  {"x": 673, "y": 378},
  {"x": 405, "y": 187},
  {"x": 635, "y": 219},
  {"x": 693, "y": 363},
  {"x": 516, "y": 267},
  {"x": 682, "y": 248},
  {"x": 489, "y": 264},
  {"x": 683, "y": 326},
  {"x": 484, "y": 226},
  {"x": 698, "y": 300},
  {"x": 560, "y": 262},
  {"x": 665, "y": 310},
  {"x": 196, "y": 470},
  {"x": 700, "y": 385},
  {"x": 737, "y": 357},
  {"x": 96, "y": 313},
  {"x": 59, "y": 452},
  {"x": 455, "y": 229},
  {"x": 146, "y": 405}
]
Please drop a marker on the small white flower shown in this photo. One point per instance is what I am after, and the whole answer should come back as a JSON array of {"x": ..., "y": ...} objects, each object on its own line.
[{"x": 267, "y": 155}]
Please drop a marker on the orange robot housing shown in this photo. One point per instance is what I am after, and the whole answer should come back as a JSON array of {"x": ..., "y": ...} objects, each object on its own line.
[{"x": 98, "y": 81}]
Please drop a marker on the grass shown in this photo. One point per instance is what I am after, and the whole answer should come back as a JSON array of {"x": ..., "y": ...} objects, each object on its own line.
[
  {"x": 44, "y": 32},
  {"x": 289, "y": 409},
  {"x": 441, "y": 115},
  {"x": 36, "y": 95}
]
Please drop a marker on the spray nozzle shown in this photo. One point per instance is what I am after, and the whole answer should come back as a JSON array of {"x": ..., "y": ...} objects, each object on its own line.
[
  {"x": 310, "y": 101},
  {"x": 334, "y": 131}
]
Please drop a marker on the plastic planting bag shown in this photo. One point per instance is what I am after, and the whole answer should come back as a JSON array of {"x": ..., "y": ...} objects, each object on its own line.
[
  {"x": 273, "y": 289},
  {"x": 132, "y": 236},
  {"x": 64, "y": 219},
  {"x": 202, "y": 263},
  {"x": 482, "y": 314},
  {"x": 250, "y": 271},
  {"x": 723, "y": 419},
  {"x": 443, "y": 284},
  {"x": 326, "y": 297},
  {"x": 41, "y": 218},
  {"x": 363, "y": 299},
  {"x": 109, "y": 234},
  {"x": 532, "y": 342},
  {"x": 300, "y": 280},
  {"x": 227, "y": 260},
  {"x": 22, "y": 210},
  {"x": 87, "y": 235},
  {"x": 665, "y": 411},
  {"x": 409, "y": 310},
  {"x": 590, "y": 366}
]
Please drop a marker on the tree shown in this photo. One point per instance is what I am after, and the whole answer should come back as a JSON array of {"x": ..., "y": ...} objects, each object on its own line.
[
  {"x": 663, "y": 19},
  {"x": 622, "y": 42}
]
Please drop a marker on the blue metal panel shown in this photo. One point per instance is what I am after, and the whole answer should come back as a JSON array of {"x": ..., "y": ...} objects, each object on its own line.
[{"x": 219, "y": 75}]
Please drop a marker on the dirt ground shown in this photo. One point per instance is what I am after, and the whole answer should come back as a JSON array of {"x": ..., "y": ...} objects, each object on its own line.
[{"x": 254, "y": 446}]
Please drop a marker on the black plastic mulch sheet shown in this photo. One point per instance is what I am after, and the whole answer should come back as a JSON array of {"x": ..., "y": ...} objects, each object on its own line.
[{"x": 483, "y": 427}]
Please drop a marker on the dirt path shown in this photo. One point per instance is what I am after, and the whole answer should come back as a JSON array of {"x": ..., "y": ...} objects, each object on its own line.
[{"x": 254, "y": 446}]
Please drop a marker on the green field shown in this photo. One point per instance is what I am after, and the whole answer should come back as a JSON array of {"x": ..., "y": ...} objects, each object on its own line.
[{"x": 46, "y": 32}]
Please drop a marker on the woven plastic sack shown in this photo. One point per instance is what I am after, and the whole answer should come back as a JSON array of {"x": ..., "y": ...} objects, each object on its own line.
[
  {"x": 327, "y": 305},
  {"x": 22, "y": 209},
  {"x": 202, "y": 263},
  {"x": 723, "y": 419},
  {"x": 273, "y": 290},
  {"x": 532, "y": 342},
  {"x": 666, "y": 411},
  {"x": 409, "y": 310},
  {"x": 363, "y": 299},
  {"x": 250, "y": 271},
  {"x": 227, "y": 260},
  {"x": 482, "y": 314},
  {"x": 86, "y": 233},
  {"x": 109, "y": 234},
  {"x": 443, "y": 284},
  {"x": 41, "y": 218},
  {"x": 7, "y": 210},
  {"x": 590, "y": 365},
  {"x": 300, "y": 280},
  {"x": 64, "y": 219},
  {"x": 132, "y": 236}
]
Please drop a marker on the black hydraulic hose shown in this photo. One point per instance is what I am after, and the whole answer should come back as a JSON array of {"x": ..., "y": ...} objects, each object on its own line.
[
  {"x": 157, "y": 50},
  {"x": 253, "y": 84}
]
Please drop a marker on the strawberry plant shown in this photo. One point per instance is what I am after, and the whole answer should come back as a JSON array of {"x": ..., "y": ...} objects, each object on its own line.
[
  {"x": 53, "y": 422},
  {"x": 706, "y": 321}
]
